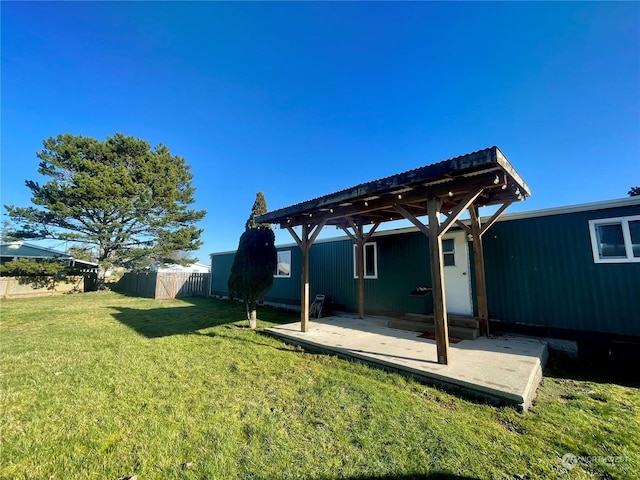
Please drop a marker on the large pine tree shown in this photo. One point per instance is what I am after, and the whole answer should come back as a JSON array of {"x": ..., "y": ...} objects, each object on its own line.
[{"x": 125, "y": 201}]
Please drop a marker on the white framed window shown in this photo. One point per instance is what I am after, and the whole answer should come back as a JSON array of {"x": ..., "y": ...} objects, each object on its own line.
[
  {"x": 615, "y": 240},
  {"x": 370, "y": 260},
  {"x": 283, "y": 266},
  {"x": 449, "y": 252}
]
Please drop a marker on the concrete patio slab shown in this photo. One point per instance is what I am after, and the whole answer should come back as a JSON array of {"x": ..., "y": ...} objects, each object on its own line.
[{"x": 502, "y": 370}]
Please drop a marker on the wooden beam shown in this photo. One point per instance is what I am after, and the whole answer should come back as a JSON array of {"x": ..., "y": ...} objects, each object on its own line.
[
  {"x": 422, "y": 227},
  {"x": 354, "y": 226},
  {"x": 368, "y": 208},
  {"x": 437, "y": 282},
  {"x": 367, "y": 237},
  {"x": 463, "y": 226},
  {"x": 351, "y": 235},
  {"x": 455, "y": 214},
  {"x": 478, "y": 260},
  {"x": 294, "y": 235},
  {"x": 494, "y": 217},
  {"x": 317, "y": 230}
]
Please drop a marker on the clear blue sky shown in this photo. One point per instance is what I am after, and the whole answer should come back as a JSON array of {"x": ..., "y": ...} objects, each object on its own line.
[{"x": 302, "y": 99}]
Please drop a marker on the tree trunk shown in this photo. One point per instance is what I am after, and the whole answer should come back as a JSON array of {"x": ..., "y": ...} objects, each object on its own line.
[
  {"x": 251, "y": 314},
  {"x": 253, "y": 322},
  {"x": 101, "y": 278}
]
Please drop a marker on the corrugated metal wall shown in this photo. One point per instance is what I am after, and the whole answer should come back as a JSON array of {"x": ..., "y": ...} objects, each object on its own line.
[
  {"x": 284, "y": 290},
  {"x": 220, "y": 270},
  {"x": 287, "y": 289},
  {"x": 331, "y": 273},
  {"x": 403, "y": 265},
  {"x": 540, "y": 271}
]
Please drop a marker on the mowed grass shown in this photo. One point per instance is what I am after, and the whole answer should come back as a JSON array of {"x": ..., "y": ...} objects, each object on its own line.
[{"x": 105, "y": 386}]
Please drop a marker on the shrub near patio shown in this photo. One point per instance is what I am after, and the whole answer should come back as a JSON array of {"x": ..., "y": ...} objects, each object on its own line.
[{"x": 108, "y": 386}]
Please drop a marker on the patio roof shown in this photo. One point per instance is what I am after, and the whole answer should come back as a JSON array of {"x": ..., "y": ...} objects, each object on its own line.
[
  {"x": 376, "y": 201},
  {"x": 447, "y": 188}
]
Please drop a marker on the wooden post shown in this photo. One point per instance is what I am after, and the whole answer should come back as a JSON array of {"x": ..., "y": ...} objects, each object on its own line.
[
  {"x": 304, "y": 281},
  {"x": 360, "y": 269},
  {"x": 359, "y": 239},
  {"x": 478, "y": 260},
  {"x": 305, "y": 245},
  {"x": 437, "y": 281}
]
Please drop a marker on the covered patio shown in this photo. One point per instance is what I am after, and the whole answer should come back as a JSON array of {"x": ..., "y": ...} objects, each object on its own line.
[
  {"x": 503, "y": 370},
  {"x": 442, "y": 192}
]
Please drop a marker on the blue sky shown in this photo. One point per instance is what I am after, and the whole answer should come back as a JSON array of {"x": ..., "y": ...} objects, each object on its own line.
[{"x": 302, "y": 99}]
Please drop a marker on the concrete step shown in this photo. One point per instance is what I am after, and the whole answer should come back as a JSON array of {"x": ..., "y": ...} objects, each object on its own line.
[
  {"x": 452, "y": 320},
  {"x": 464, "y": 333}
]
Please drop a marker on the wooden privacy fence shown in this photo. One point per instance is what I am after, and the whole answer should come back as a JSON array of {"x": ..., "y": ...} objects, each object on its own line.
[
  {"x": 165, "y": 285},
  {"x": 14, "y": 287}
]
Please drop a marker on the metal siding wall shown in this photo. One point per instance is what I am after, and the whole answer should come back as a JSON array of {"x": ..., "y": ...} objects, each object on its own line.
[
  {"x": 403, "y": 265},
  {"x": 287, "y": 289},
  {"x": 540, "y": 271},
  {"x": 220, "y": 271},
  {"x": 331, "y": 273}
]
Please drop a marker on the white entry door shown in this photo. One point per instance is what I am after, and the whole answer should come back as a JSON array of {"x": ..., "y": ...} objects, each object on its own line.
[{"x": 457, "y": 274}]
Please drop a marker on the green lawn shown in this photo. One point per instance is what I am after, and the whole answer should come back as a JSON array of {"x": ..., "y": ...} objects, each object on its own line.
[{"x": 104, "y": 386}]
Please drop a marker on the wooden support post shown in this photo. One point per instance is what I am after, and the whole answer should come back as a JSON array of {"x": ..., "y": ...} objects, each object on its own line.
[
  {"x": 304, "y": 280},
  {"x": 304, "y": 242},
  {"x": 359, "y": 239},
  {"x": 360, "y": 269},
  {"x": 478, "y": 260},
  {"x": 437, "y": 281}
]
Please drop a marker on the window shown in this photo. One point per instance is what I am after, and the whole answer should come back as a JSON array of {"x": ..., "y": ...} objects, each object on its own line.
[
  {"x": 615, "y": 240},
  {"x": 449, "y": 252},
  {"x": 283, "y": 267},
  {"x": 370, "y": 260}
]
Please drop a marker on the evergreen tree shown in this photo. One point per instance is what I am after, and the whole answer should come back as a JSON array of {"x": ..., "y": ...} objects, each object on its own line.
[
  {"x": 125, "y": 200},
  {"x": 255, "y": 261}
]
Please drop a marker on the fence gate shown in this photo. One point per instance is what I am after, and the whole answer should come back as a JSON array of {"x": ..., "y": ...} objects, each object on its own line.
[{"x": 166, "y": 286}]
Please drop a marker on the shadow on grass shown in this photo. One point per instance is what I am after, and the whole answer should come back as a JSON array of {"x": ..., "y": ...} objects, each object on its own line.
[
  {"x": 187, "y": 316},
  {"x": 428, "y": 476},
  {"x": 596, "y": 370},
  {"x": 254, "y": 341}
]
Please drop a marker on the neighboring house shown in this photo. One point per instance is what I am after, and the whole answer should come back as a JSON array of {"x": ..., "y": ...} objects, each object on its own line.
[
  {"x": 175, "y": 268},
  {"x": 14, "y": 250},
  {"x": 83, "y": 278},
  {"x": 570, "y": 272}
]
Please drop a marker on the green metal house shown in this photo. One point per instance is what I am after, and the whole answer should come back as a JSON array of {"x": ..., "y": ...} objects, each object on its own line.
[{"x": 570, "y": 272}]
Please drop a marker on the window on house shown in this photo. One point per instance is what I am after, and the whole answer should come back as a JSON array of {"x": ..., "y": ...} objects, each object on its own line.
[
  {"x": 615, "y": 240},
  {"x": 370, "y": 260},
  {"x": 449, "y": 252},
  {"x": 283, "y": 267}
]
